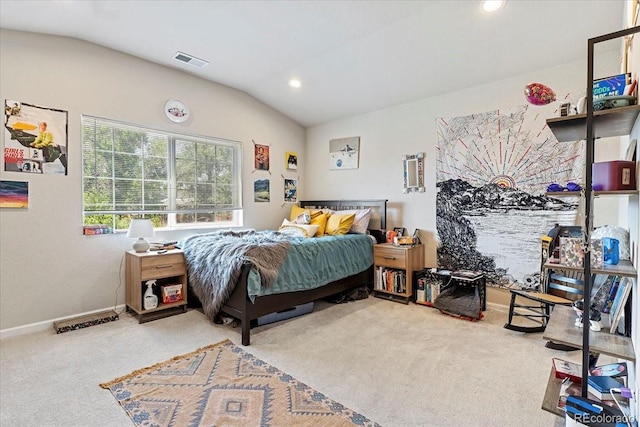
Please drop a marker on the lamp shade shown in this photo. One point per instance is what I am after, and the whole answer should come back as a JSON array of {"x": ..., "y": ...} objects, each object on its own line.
[{"x": 141, "y": 228}]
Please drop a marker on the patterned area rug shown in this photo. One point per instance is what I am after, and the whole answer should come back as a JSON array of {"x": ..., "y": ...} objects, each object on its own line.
[{"x": 223, "y": 385}]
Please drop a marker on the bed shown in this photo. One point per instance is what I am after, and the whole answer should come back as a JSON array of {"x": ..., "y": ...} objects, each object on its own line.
[{"x": 243, "y": 300}]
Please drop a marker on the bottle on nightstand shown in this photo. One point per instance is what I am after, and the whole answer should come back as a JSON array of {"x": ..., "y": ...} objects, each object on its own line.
[{"x": 150, "y": 299}]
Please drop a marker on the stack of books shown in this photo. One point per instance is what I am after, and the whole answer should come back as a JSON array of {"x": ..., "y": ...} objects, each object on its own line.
[
  {"x": 92, "y": 230},
  {"x": 601, "y": 386},
  {"x": 163, "y": 246},
  {"x": 601, "y": 380}
]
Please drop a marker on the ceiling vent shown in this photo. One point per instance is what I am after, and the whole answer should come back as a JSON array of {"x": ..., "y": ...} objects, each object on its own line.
[{"x": 191, "y": 60}]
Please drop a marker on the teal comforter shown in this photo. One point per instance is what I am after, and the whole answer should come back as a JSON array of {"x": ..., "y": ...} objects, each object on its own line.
[{"x": 314, "y": 262}]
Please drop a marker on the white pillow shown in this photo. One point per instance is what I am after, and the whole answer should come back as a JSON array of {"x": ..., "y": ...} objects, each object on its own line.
[
  {"x": 304, "y": 230},
  {"x": 361, "y": 221}
]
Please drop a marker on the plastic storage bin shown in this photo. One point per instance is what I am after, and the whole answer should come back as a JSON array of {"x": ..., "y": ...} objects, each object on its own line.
[{"x": 298, "y": 310}]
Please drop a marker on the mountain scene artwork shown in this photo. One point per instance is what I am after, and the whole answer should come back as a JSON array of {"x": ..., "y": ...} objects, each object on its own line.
[{"x": 493, "y": 170}]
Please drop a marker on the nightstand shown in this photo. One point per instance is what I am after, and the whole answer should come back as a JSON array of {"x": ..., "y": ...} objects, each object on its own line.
[
  {"x": 394, "y": 267},
  {"x": 168, "y": 268}
]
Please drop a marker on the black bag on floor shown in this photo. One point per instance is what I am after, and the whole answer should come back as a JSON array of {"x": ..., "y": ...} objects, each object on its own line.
[{"x": 460, "y": 300}]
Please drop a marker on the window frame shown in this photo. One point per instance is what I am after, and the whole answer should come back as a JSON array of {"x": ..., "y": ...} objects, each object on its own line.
[{"x": 234, "y": 210}]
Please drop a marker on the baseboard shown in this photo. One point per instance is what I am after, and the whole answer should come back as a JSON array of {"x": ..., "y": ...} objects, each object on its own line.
[{"x": 48, "y": 324}]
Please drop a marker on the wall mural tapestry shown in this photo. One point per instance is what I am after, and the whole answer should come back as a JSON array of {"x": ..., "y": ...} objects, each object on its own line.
[{"x": 492, "y": 173}]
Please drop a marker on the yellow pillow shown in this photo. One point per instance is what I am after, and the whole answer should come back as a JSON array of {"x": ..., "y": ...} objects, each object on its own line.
[
  {"x": 296, "y": 210},
  {"x": 321, "y": 221},
  {"x": 339, "y": 224}
]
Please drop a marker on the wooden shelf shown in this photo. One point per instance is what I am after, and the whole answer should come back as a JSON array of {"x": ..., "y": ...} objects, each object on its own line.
[
  {"x": 623, "y": 268},
  {"x": 613, "y": 122},
  {"x": 595, "y": 193},
  {"x": 561, "y": 329},
  {"x": 552, "y": 395}
]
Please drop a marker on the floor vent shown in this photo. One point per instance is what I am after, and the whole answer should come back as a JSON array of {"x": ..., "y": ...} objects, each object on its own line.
[{"x": 82, "y": 322}]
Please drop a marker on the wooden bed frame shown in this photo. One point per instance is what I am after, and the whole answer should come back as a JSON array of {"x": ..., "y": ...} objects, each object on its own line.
[{"x": 240, "y": 306}]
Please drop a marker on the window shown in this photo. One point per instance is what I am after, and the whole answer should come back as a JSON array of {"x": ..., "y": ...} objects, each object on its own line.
[{"x": 175, "y": 180}]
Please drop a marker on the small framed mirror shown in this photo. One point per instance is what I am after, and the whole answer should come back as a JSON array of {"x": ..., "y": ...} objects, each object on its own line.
[{"x": 413, "y": 165}]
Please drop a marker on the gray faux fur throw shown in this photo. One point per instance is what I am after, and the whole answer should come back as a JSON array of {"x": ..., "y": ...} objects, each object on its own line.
[{"x": 214, "y": 261}]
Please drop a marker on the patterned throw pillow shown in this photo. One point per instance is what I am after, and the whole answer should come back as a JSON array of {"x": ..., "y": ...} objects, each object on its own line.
[{"x": 302, "y": 230}]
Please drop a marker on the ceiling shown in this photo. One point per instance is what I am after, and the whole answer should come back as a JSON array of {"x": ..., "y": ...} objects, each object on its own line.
[{"x": 352, "y": 57}]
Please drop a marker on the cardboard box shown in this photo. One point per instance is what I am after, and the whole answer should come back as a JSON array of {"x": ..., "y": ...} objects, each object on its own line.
[
  {"x": 614, "y": 175},
  {"x": 571, "y": 251},
  {"x": 171, "y": 293}
]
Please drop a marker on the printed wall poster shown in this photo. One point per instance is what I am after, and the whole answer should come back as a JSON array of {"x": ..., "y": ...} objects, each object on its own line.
[
  {"x": 261, "y": 157},
  {"x": 291, "y": 160},
  {"x": 343, "y": 153},
  {"x": 261, "y": 190},
  {"x": 290, "y": 190},
  {"x": 35, "y": 139},
  {"x": 14, "y": 194},
  {"x": 492, "y": 173}
]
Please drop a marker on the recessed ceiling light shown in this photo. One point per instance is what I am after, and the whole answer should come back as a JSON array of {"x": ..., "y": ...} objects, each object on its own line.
[
  {"x": 492, "y": 5},
  {"x": 295, "y": 83}
]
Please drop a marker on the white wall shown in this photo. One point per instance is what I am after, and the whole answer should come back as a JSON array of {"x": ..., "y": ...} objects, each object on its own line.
[
  {"x": 387, "y": 135},
  {"x": 48, "y": 269}
]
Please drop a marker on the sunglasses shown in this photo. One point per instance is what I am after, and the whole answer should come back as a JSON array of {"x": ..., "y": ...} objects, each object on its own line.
[{"x": 571, "y": 186}]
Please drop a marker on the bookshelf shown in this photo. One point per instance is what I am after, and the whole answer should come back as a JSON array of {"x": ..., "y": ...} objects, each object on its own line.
[{"x": 589, "y": 127}]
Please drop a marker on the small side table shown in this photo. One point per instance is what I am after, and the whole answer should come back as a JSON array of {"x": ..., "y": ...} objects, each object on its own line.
[{"x": 168, "y": 268}]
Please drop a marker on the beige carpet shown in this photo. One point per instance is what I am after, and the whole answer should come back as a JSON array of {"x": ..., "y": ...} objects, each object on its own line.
[
  {"x": 223, "y": 385},
  {"x": 400, "y": 365}
]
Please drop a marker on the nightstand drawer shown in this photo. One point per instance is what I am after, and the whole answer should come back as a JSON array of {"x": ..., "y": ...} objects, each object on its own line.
[
  {"x": 153, "y": 267},
  {"x": 389, "y": 256}
]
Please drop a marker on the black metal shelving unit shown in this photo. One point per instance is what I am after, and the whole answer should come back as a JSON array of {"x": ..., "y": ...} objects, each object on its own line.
[{"x": 590, "y": 126}]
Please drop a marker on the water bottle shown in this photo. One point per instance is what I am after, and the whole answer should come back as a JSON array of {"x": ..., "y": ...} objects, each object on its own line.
[{"x": 611, "y": 250}]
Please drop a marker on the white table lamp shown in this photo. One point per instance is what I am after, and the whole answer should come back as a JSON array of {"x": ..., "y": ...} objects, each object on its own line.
[{"x": 141, "y": 228}]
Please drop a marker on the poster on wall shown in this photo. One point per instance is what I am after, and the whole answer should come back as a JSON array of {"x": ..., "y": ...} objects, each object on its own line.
[
  {"x": 261, "y": 156},
  {"x": 291, "y": 160},
  {"x": 261, "y": 190},
  {"x": 492, "y": 172},
  {"x": 290, "y": 190},
  {"x": 14, "y": 194},
  {"x": 343, "y": 153},
  {"x": 35, "y": 139}
]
